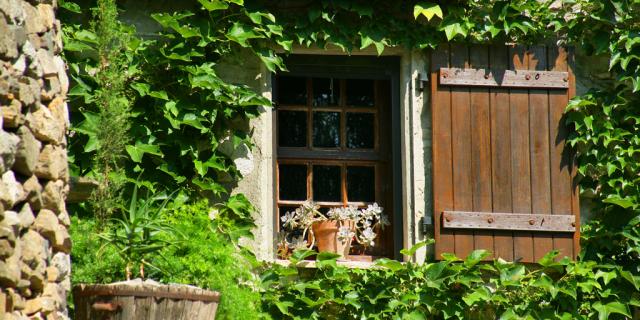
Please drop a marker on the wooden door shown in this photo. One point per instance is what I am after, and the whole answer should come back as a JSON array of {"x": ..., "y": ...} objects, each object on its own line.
[{"x": 502, "y": 178}]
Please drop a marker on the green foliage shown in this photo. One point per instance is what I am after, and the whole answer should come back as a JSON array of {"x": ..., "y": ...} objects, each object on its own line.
[
  {"x": 451, "y": 289},
  {"x": 207, "y": 259},
  {"x": 141, "y": 232}
]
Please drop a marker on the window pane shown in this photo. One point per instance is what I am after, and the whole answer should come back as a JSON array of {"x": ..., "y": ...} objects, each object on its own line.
[
  {"x": 326, "y": 129},
  {"x": 361, "y": 183},
  {"x": 292, "y": 91},
  {"x": 360, "y": 93},
  {"x": 326, "y": 183},
  {"x": 292, "y": 182},
  {"x": 360, "y": 130},
  {"x": 292, "y": 128},
  {"x": 326, "y": 92}
]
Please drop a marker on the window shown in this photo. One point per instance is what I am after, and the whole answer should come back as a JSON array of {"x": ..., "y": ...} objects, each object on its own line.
[{"x": 334, "y": 133}]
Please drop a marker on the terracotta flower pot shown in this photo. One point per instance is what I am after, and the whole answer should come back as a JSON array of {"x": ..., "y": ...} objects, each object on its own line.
[{"x": 326, "y": 234}]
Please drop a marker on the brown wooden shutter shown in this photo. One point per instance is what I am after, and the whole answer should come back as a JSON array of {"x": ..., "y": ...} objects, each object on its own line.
[{"x": 502, "y": 178}]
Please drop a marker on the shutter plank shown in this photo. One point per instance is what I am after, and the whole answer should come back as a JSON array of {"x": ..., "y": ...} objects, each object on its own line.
[
  {"x": 540, "y": 171},
  {"x": 520, "y": 161},
  {"x": 561, "y": 189},
  {"x": 501, "y": 154},
  {"x": 481, "y": 147},
  {"x": 441, "y": 156},
  {"x": 575, "y": 190},
  {"x": 461, "y": 150}
]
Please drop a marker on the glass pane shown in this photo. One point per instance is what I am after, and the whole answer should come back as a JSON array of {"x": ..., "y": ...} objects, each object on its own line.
[
  {"x": 360, "y": 130},
  {"x": 292, "y": 90},
  {"x": 326, "y": 92},
  {"x": 326, "y": 183},
  {"x": 326, "y": 129},
  {"x": 292, "y": 182},
  {"x": 292, "y": 128},
  {"x": 360, "y": 93},
  {"x": 361, "y": 183}
]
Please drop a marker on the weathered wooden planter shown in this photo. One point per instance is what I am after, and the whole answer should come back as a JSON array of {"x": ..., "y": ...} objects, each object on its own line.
[{"x": 143, "y": 300}]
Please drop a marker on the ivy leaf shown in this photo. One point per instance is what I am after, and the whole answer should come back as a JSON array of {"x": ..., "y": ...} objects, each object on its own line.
[
  {"x": 427, "y": 9},
  {"x": 392, "y": 265},
  {"x": 480, "y": 294},
  {"x": 142, "y": 88},
  {"x": 622, "y": 202},
  {"x": 452, "y": 28},
  {"x": 70, "y": 6},
  {"x": 604, "y": 310},
  {"x": 240, "y": 33},
  {"x": 476, "y": 256},
  {"x": 212, "y": 5},
  {"x": 139, "y": 149}
]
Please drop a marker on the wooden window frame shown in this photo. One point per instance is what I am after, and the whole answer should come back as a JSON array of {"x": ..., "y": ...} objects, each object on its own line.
[{"x": 340, "y": 67}]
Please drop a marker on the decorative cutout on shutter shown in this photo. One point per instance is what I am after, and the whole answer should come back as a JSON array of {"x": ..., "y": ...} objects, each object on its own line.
[{"x": 501, "y": 173}]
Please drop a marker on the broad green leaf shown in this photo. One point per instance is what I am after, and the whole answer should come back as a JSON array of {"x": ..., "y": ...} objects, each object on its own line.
[
  {"x": 427, "y": 9},
  {"x": 139, "y": 149},
  {"x": 480, "y": 294},
  {"x": 476, "y": 256},
  {"x": 212, "y": 5},
  {"x": 392, "y": 265},
  {"x": 453, "y": 28},
  {"x": 89, "y": 127},
  {"x": 624, "y": 203},
  {"x": 241, "y": 33}
]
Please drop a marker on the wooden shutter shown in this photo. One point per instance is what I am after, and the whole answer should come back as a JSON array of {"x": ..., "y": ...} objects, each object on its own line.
[{"x": 502, "y": 178}]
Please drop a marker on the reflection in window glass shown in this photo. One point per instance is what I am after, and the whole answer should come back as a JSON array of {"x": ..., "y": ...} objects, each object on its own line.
[
  {"x": 360, "y": 93},
  {"x": 361, "y": 184},
  {"x": 360, "y": 130},
  {"x": 292, "y": 184},
  {"x": 326, "y": 129},
  {"x": 326, "y": 92},
  {"x": 326, "y": 183},
  {"x": 292, "y": 91},
  {"x": 292, "y": 128}
]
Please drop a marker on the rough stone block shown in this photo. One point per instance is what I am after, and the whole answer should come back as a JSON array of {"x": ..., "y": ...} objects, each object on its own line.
[
  {"x": 13, "y": 11},
  {"x": 9, "y": 225},
  {"x": 32, "y": 23},
  {"x": 27, "y": 153},
  {"x": 62, "y": 241},
  {"x": 45, "y": 305},
  {"x": 10, "y": 272},
  {"x": 52, "y": 163},
  {"x": 28, "y": 91},
  {"x": 53, "y": 196},
  {"x": 47, "y": 16},
  {"x": 62, "y": 262},
  {"x": 11, "y": 191},
  {"x": 45, "y": 126},
  {"x": 34, "y": 248},
  {"x": 45, "y": 58},
  {"x": 33, "y": 190},
  {"x": 26, "y": 217},
  {"x": 7, "y": 248},
  {"x": 46, "y": 224},
  {"x": 8, "y": 149},
  {"x": 8, "y": 45},
  {"x": 62, "y": 75},
  {"x": 51, "y": 88},
  {"x": 12, "y": 114}
]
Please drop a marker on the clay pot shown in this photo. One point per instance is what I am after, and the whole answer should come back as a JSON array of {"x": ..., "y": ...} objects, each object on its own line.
[{"x": 326, "y": 234}]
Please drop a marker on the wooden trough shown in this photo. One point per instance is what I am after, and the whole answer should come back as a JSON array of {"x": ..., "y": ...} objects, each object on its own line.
[{"x": 139, "y": 299}]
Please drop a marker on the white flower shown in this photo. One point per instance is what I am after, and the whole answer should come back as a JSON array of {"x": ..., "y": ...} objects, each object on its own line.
[
  {"x": 345, "y": 233},
  {"x": 213, "y": 213},
  {"x": 367, "y": 237},
  {"x": 384, "y": 220}
]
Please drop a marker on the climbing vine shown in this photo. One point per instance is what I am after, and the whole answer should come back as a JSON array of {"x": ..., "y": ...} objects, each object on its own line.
[{"x": 189, "y": 120}]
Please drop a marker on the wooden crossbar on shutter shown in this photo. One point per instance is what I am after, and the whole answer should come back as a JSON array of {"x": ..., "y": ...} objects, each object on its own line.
[{"x": 500, "y": 168}]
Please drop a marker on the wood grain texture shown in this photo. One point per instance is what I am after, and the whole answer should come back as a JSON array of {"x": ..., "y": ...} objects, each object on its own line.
[
  {"x": 461, "y": 151},
  {"x": 441, "y": 156},
  {"x": 561, "y": 181},
  {"x": 540, "y": 169},
  {"x": 509, "y": 221},
  {"x": 485, "y": 77},
  {"x": 501, "y": 154},
  {"x": 481, "y": 148},
  {"x": 520, "y": 159}
]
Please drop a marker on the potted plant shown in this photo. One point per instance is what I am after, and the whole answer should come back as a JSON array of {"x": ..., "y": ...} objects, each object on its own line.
[
  {"x": 334, "y": 231},
  {"x": 138, "y": 234}
]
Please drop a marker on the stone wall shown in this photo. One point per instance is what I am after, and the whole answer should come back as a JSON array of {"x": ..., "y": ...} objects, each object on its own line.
[{"x": 34, "y": 241}]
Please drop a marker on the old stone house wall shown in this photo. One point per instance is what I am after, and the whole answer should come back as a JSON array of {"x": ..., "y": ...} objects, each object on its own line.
[{"x": 34, "y": 239}]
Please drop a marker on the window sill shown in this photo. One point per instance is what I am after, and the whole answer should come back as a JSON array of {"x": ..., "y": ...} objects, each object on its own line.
[{"x": 311, "y": 264}]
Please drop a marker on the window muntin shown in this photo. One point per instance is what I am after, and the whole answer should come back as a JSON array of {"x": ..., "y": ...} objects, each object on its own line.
[{"x": 346, "y": 154}]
